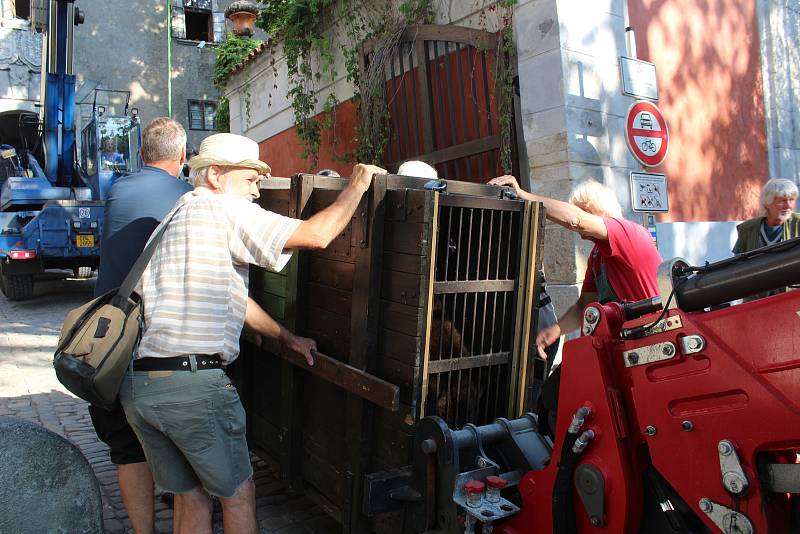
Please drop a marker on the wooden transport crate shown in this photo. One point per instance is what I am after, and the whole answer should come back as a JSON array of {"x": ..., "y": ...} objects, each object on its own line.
[{"x": 426, "y": 296}]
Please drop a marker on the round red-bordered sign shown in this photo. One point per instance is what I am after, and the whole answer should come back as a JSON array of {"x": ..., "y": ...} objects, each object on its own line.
[{"x": 646, "y": 133}]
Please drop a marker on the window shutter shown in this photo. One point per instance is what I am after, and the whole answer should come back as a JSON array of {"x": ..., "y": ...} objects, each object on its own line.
[
  {"x": 219, "y": 26},
  {"x": 178, "y": 22},
  {"x": 210, "y": 115}
]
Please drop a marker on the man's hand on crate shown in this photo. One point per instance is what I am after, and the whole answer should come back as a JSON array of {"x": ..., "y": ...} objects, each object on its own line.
[
  {"x": 298, "y": 344},
  {"x": 361, "y": 176}
]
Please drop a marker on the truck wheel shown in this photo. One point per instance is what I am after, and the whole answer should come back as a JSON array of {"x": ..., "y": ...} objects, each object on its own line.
[
  {"x": 17, "y": 286},
  {"x": 82, "y": 272}
]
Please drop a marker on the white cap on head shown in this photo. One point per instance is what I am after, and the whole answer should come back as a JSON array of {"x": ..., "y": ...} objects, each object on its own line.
[
  {"x": 418, "y": 169},
  {"x": 228, "y": 150}
]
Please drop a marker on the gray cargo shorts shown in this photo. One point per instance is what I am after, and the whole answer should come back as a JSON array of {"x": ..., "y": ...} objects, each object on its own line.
[{"x": 192, "y": 428}]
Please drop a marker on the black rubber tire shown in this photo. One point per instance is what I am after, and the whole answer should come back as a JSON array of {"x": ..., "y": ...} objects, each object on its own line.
[
  {"x": 17, "y": 286},
  {"x": 83, "y": 272}
]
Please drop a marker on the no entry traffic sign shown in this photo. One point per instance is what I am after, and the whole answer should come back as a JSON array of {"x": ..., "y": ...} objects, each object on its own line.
[{"x": 646, "y": 133}]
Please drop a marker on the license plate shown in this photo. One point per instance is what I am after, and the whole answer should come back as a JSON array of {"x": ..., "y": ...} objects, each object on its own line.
[{"x": 85, "y": 241}]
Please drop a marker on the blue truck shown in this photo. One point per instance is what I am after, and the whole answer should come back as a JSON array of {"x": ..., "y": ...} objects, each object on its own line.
[{"x": 51, "y": 201}]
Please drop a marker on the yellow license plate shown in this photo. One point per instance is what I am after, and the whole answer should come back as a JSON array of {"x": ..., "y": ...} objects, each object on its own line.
[{"x": 85, "y": 241}]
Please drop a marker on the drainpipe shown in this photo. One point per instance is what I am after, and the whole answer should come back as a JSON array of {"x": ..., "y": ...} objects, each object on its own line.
[{"x": 169, "y": 58}]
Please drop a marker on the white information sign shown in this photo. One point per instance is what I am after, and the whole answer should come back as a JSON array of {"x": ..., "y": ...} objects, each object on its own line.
[
  {"x": 638, "y": 78},
  {"x": 649, "y": 192}
]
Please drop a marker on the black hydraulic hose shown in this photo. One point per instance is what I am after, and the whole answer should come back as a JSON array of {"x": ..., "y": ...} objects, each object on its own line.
[{"x": 563, "y": 498}]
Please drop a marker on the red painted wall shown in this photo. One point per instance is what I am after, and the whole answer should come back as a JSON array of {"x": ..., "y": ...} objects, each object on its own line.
[
  {"x": 284, "y": 151},
  {"x": 708, "y": 62}
]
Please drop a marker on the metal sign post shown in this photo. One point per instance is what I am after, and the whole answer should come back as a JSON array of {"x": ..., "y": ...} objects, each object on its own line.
[{"x": 646, "y": 133}]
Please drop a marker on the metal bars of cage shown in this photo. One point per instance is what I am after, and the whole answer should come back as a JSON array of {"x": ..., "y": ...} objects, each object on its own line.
[{"x": 472, "y": 341}]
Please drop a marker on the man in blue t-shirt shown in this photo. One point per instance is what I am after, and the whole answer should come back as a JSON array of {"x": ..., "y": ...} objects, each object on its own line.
[
  {"x": 136, "y": 203},
  {"x": 135, "y": 206}
]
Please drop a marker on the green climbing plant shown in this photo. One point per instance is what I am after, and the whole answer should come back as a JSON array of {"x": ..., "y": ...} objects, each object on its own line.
[
  {"x": 304, "y": 27},
  {"x": 232, "y": 51},
  {"x": 504, "y": 78}
]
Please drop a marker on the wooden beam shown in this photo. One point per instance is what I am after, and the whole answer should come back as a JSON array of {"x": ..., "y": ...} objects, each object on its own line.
[
  {"x": 367, "y": 386},
  {"x": 473, "y": 286},
  {"x": 468, "y": 362}
]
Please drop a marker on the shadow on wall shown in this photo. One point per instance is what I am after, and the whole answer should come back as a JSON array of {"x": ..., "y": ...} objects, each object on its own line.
[{"x": 709, "y": 70}]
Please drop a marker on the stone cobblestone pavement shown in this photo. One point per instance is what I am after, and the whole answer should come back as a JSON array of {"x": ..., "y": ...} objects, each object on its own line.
[{"x": 29, "y": 390}]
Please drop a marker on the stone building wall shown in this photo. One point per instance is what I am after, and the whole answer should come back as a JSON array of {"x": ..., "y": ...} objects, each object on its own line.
[
  {"x": 122, "y": 46},
  {"x": 20, "y": 65}
]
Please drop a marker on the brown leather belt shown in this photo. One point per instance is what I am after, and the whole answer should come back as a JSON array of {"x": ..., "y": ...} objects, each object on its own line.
[{"x": 178, "y": 363}]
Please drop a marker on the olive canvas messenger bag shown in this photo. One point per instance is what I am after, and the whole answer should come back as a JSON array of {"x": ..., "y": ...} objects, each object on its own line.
[{"x": 98, "y": 339}]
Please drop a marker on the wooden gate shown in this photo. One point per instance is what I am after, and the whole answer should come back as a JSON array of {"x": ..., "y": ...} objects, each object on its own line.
[{"x": 447, "y": 113}]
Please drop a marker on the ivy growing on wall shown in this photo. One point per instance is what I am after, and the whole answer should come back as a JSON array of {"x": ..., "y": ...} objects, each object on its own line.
[{"x": 230, "y": 53}]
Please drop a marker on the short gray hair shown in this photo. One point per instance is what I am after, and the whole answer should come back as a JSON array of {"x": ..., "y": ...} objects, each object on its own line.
[
  {"x": 777, "y": 187},
  {"x": 597, "y": 198},
  {"x": 199, "y": 177},
  {"x": 163, "y": 140},
  {"x": 417, "y": 168}
]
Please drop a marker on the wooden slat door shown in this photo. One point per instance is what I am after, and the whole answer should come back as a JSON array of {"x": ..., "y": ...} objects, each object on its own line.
[{"x": 446, "y": 113}]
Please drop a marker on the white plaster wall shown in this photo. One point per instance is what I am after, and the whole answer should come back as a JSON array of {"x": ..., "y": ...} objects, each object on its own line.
[{"x": 697, "y": 242}]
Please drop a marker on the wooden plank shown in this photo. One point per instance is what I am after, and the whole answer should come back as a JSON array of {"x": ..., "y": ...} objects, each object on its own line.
[
  {"x": 331, "y": 299},
  {"x": 434, "y": 218},
  {"x": 274, "y": 306},
  {"x": 332, "y": 273},
  {"x": 330, "y": 331},
  {"x": 369, "y": 230},
  {"x": 407, "y": 377},
  {"x": 330, "y": 323},
  {"x": 425, "y": 101},
  {"x": 273, "y": 283},
  {"x": 324, "y": 476},
  {"x": 291, "y": 424},
  {"x": 403, "y": 263},
  {"x": 480, "y": 39},
  {"x": 530, "y": 381},
  {"x": 275, "y": 200},
  {"x": 403, "y": 288},
  {"x": 365, "y": 385},
  {"x": 482, "y": 202},
  {"x": 344, "y": 254},
  {"x": 468, "y": 362},
  {"x": 405, "y": 205},
  {"x": 464, "y": 150},
  {"x": 407, "y": 237},
  {"x": 392, "y": 446},
  {"x": 474, "y": 286},
  {"x": 407, "y": 349},
  {"x": 400, "y": 318},
  {"x": 397, "y": 181},
  {"x": 265, "y": 434},
  {"x": 323, "y": 416}
]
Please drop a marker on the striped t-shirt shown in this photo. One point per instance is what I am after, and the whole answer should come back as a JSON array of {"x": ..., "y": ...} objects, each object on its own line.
[{"x": 194, "y": 290}]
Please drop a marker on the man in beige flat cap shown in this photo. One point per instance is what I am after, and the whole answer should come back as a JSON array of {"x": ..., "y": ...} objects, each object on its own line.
[{"x": 180, "y": 403}]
